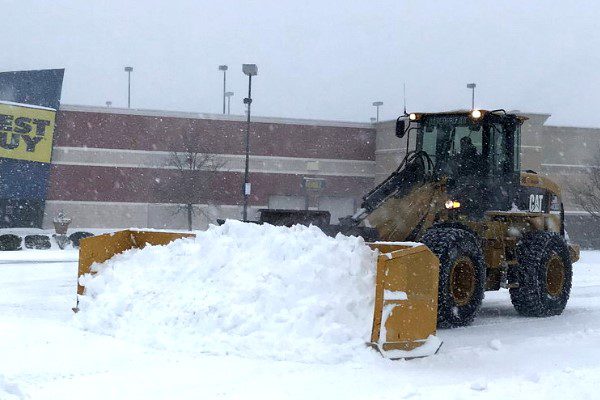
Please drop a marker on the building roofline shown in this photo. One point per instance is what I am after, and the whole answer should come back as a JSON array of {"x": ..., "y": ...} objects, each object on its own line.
[
  {"x": 209, "y": 116},
  {"x": 537, "y": 114},
  {"x": 587, "y": 128},
  {"x": 516, "y": 112}
]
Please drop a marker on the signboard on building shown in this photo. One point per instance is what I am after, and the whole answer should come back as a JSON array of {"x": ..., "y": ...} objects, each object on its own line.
[
  {"x": 313, "y": 183},
  {"x": 26, "y": 131},
  {"x": 28, "y": 104}
]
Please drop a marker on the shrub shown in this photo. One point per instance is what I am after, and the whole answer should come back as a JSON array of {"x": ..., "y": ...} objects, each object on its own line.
[
  {"x": 39, "y": 242},
  {"x": 10, "y": 242},
  {"x": 77, "y": 236}
]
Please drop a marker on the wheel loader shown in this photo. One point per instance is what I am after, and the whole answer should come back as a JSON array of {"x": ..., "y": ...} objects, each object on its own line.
[
  {"x": 462, "y": 193},
  {"x": 456, "y": 218}
]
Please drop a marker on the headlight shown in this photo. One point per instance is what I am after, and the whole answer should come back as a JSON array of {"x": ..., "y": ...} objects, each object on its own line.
[
  {"x": 476, "y": 114},
  {"x": 450, "y": 204},
  {"x": 412, "y": 117}
]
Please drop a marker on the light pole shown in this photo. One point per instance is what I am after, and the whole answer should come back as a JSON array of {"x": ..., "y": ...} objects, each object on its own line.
[
  {"x": 472, "y": 86},
  {"x": 224, "y": 69},
  {"x": 377, "y": 104},
  {"x": 250, "y": 70},
  {"x": 228, "y": 95},
  {"x": 128, "y": 70}
]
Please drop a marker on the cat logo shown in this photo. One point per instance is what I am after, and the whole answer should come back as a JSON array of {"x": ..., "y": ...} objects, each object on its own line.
[
  {"x": 535, "y": 202},
  {"x": 26, "y": 131}
]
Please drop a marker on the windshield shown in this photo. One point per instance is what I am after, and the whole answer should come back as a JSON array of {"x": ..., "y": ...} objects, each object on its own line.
[
  {"x": 459, "y": 147},
  {"x": 454, "y": 144}
]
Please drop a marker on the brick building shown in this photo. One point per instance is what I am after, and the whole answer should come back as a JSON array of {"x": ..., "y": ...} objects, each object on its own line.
[{"x": 110, "y": 166}]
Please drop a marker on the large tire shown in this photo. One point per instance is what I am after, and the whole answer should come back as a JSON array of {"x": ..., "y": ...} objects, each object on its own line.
[
  {"x": 544, "y": 275},
  {"x": 462, "y": 275}
]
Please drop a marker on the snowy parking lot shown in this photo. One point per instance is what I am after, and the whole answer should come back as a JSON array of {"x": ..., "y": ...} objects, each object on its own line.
[{"x": 46, "y": 355}]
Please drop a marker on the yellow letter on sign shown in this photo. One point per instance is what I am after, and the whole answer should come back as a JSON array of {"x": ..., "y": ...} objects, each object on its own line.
[{"x": 26, "y": 131}]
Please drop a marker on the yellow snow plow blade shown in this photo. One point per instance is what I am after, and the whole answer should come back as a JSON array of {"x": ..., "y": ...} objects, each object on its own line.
[
  {"x": 98, "y": 249},
  {"x": 406, "y": 287},
  {"x": 406, "y": 296}
]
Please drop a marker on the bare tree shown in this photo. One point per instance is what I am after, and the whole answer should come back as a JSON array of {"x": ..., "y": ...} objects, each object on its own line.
[
  {"x": 585, "y": 191},
  {"x": 194, "y": 180}
]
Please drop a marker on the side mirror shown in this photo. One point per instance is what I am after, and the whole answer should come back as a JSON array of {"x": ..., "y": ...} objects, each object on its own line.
[{"x": 400, "y": 127}]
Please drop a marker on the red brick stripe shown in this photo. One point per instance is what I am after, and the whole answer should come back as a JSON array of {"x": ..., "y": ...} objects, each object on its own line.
[
  {"x": 144, "y": 185},
  {"x": 135, "y": 132}
]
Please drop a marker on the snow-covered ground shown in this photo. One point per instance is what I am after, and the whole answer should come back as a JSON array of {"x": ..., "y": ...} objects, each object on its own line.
[{"x": 46, "y": 354}]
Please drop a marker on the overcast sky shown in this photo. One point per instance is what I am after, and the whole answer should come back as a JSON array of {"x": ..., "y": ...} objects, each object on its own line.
[{"x": 317, "y": 59}]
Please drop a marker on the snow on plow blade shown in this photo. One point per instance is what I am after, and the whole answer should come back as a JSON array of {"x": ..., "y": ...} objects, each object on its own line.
[
  {"x": 98, "y": 249},
  {"x": 406, "y": 296},
  {"x": 406, "y": 285}
]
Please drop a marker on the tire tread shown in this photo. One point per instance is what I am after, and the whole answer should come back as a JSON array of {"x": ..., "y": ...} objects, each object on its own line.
[
  {"x": 443, "y": 241},
  {"x": 530, "y": 297}
]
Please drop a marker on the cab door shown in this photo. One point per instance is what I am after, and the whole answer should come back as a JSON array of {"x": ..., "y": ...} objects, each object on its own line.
[{"x": 504, "y": 165}]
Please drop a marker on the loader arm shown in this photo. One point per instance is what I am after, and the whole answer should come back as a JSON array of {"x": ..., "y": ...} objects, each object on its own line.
[{"x": 415, "y": 169}]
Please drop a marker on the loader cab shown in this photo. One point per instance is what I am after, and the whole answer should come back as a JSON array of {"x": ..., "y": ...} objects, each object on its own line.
[{"x": 478, "y": 153}]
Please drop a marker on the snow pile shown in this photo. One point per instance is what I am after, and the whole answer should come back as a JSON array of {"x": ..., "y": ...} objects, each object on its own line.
[
  {"x": 9, "y": 390},
  {"x": 256, "y": 291}
]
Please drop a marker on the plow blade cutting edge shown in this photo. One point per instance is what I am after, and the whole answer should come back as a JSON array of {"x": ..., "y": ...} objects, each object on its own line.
[{"x": 406, "y": 286}]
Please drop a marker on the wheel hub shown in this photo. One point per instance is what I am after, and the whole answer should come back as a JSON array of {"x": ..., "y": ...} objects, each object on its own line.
[
  {"x": 462, "y": 281},
  {"x": 555, "y": 275}
]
